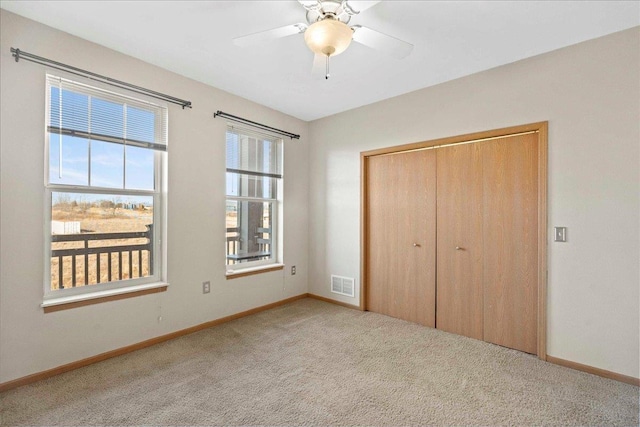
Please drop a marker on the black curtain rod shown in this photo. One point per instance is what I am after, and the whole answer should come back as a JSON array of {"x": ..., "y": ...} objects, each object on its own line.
[
  {"x": 255, "y": 124},
  {"x": 20, "y": 54}
]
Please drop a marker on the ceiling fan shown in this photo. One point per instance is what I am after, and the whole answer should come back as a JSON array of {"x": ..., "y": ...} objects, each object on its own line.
[{"x": 327, "y": 32}]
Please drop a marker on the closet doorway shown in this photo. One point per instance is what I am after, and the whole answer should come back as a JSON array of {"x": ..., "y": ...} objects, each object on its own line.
[{"x": 454, "y": 235}]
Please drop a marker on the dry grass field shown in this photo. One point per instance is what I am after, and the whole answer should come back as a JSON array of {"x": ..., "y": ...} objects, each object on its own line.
[{"x": 100, "y": 219}]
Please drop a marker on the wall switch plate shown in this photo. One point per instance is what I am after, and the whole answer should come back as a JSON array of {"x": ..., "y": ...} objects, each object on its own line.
[
  {"x": 293, "y": 270},
  {"x": 206, "y": 287},
  {"x": 560, "y": 234}
]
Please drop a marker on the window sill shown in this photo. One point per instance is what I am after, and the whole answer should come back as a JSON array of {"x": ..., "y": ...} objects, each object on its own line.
[
  {"x": 65, "y": 303},
  {"x": 234, "y": 274}
]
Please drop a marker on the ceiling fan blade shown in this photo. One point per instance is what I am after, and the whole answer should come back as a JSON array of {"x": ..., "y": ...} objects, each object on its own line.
[
  {"x": 357, "y": 6},
  {"x": 382, "y": 42},
  {"x": 319, "y": 66},
  {"x": 310, "y": 4},
  {"x": 269, "y": 35}
]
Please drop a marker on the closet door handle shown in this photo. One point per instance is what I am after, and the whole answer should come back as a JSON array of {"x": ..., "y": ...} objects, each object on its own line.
[
  {"x": 416, "y": 245},
  {"x": 458, "y": 248}
]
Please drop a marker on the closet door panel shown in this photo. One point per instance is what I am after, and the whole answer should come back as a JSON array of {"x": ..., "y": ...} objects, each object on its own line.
[
  {"x": 401, "y": 223},
  {"x": 459, "y": 233},
  {"x": 510, "y": 239}
]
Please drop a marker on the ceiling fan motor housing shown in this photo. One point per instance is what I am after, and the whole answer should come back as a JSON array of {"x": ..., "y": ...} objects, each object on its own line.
[{"x": 329, "y": 9}]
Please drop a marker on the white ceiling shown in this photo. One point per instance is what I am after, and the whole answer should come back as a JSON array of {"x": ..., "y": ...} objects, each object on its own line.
[{"x": 452, "y": 39}]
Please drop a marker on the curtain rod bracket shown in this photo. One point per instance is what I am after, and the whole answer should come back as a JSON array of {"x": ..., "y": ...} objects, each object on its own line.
[{"x": 19, "y": 54}]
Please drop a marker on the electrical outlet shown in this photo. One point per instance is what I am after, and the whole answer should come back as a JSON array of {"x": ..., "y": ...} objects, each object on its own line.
[
  {"x": 206, "y": 287},
  {"x": 293, "y": 270}
]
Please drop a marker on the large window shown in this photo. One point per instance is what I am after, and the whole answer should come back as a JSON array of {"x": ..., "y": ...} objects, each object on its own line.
[
  {"x": 104, "y": 187},
  {"x": 254, "y": 196}
]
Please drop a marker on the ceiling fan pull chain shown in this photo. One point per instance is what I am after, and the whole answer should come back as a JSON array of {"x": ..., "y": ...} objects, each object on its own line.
[{"x": 326, "y": 75}]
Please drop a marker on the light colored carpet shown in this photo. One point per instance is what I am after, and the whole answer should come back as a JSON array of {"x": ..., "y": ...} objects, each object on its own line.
[{"x": 313, "y": 363}]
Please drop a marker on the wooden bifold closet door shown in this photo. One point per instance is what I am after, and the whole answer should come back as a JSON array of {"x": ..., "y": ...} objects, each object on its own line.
[
  {"x": 510, "y": 241},
  {"x": 452, "y": 238},
  {"x": 402, "y": 236},
  {"x": 459, "y": 228}
]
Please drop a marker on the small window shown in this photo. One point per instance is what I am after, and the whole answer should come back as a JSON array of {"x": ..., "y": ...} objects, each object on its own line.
[
  {"x": 104, "y": 185},
  {"x": 254, "y": 199}
]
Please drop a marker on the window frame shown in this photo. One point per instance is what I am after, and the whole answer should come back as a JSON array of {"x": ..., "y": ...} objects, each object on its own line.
[
  {"x": 158, "y": 194},
  {"x": 277, "y": 205}
]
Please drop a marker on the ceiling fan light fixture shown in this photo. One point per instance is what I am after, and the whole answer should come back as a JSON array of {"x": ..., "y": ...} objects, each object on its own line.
[{"x": 328, "y": 37}]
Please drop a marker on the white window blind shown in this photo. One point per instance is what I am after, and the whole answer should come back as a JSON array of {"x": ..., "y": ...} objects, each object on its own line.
[
  {"x": 86, "y": 112},
  {"x": 256, "y": 155}
]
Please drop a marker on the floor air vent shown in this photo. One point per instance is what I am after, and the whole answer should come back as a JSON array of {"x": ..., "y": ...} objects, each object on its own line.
[{"x": 343, "y": 285}]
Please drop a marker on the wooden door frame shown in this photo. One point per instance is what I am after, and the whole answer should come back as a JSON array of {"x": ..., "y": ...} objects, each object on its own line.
[{"x": 541, "y": 128}]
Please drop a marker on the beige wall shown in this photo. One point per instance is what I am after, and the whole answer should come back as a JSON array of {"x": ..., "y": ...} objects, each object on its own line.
[
  {"x": 31, "y": 341},
  {"x": 590, "y": 94}
]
